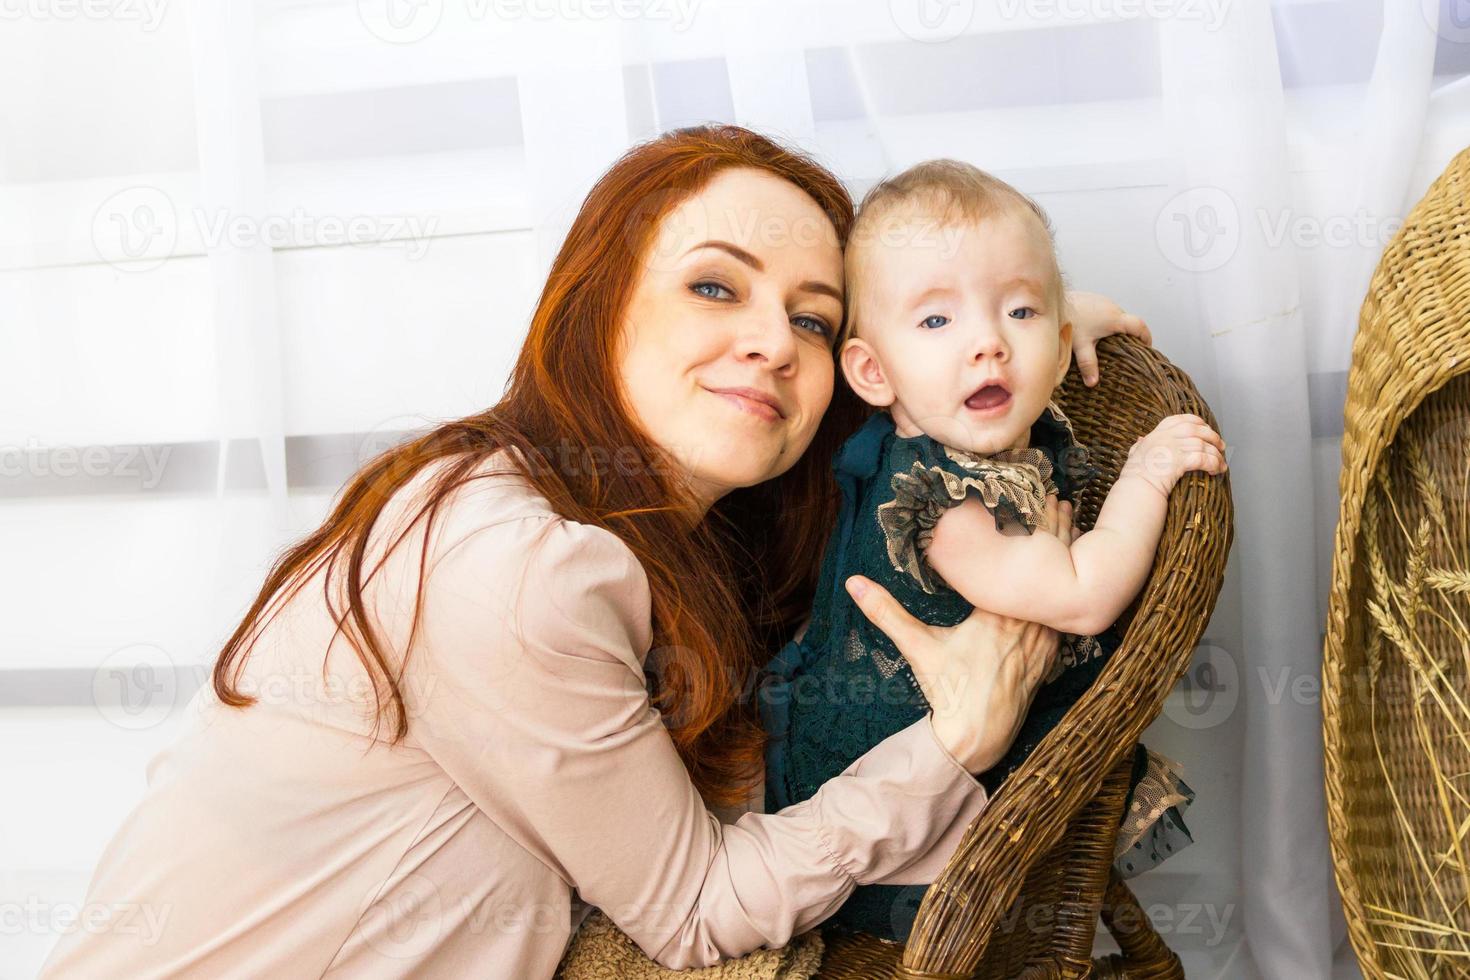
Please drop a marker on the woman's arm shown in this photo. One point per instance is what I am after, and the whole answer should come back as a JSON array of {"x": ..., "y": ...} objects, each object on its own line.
[{"x": 528, "y": 690}]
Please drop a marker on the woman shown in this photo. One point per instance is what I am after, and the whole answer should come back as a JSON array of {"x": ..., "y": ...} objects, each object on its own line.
[{"x": 514, "y": 662}]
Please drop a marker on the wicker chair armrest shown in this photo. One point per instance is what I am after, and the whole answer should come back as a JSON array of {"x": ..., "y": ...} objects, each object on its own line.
[{"x": 1028, "y": 815}]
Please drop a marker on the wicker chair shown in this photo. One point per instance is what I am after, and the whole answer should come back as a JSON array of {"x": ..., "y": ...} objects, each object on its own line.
[
  {"x": 1019, "y": 898},
  {"x": 1394, "y": 665}
]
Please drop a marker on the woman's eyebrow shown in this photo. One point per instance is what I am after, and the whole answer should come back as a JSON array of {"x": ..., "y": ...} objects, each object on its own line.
[
  {"x": 734, "y": 250},
  {"x": 821, "y": 289}
]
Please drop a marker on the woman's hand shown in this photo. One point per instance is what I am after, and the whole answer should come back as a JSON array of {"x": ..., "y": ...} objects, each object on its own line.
[
  {"x": 1094, "y": 317},
  {"x": 980, "y": 675}
]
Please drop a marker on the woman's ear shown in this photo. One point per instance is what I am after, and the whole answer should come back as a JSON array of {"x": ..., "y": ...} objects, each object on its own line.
[
  {"x": 864, "y": 373},
  {"x": 1064, "y": 356}
]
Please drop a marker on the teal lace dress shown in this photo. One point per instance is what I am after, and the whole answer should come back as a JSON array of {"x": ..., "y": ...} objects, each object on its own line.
[{"x": 843, "y": 687}]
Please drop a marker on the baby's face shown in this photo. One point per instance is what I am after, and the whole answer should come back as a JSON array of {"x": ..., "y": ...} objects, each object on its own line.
[{"x": 947, "y": 312}]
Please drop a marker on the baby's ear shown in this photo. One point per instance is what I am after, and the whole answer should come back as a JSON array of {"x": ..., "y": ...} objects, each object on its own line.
[{"x": 864, "y": 373}]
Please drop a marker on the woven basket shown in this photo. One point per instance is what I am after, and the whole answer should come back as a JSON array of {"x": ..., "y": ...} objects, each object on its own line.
[
  {"x": 1395, "y": 674},
  {"x": 1021, "y": 898}
]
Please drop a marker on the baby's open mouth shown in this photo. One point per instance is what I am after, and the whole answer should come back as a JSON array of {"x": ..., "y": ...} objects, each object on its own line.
[{"x": 989, "y": 396}]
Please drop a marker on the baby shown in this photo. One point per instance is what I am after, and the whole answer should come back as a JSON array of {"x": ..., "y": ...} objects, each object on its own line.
[{"x": 958, "y": 334}]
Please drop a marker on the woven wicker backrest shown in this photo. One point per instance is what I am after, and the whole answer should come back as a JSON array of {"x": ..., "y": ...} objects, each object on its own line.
[
  {"x": 1008, "y": 844},
  {"x": 1395, "y": 675}
]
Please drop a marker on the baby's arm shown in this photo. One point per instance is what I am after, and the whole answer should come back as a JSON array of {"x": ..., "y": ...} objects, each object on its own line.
[{"x": 1084, "y": 588}]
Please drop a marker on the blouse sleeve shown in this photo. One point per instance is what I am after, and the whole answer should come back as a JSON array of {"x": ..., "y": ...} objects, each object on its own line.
[{"x": 527, "y": 688}]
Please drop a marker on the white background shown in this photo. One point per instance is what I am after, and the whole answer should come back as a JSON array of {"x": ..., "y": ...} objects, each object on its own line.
[{"x": 242, "y": 247}]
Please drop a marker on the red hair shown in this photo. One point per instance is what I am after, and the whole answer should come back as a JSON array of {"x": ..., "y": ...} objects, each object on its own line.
[{"x": 724, "y": 596}]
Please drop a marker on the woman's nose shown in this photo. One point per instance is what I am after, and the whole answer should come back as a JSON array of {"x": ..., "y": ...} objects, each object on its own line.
[{"x": 767, "y": 335}]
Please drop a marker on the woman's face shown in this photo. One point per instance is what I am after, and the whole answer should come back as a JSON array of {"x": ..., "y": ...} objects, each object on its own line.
[{"x": 725, "y": 352}]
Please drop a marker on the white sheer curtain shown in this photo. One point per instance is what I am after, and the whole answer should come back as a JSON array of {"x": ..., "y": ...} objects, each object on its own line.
[{"x": 243, "y": 246}]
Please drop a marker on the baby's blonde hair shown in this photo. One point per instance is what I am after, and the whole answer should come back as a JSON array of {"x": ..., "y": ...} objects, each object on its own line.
[{"x": 950, "y": 191}]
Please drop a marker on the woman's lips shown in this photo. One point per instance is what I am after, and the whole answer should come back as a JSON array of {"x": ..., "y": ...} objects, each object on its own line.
[
  {"x": 750, "y": 405},
  {"x": 991, "y": 398}
]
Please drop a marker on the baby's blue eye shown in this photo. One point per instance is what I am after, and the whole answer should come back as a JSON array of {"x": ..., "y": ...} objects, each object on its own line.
[
  {"x": 929, "y": 322},
  {"x": 696, "y": 287},
  {"x": 1023, "y": 309}
]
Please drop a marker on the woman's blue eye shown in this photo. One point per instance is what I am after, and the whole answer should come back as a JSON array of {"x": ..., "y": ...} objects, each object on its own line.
[
  {"x": 1023, "y": 309},
  {"x": 818, "y": 325},
  {"x": 929, "y": 322},
  {"x": 710, "y": 285}
]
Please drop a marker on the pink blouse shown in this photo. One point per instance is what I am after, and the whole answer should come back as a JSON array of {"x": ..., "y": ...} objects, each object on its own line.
[{"x": 536, "y": 781}]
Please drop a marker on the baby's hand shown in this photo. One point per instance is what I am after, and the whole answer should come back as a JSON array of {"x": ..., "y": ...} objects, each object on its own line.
[{"x": 1177, "y": 445}]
